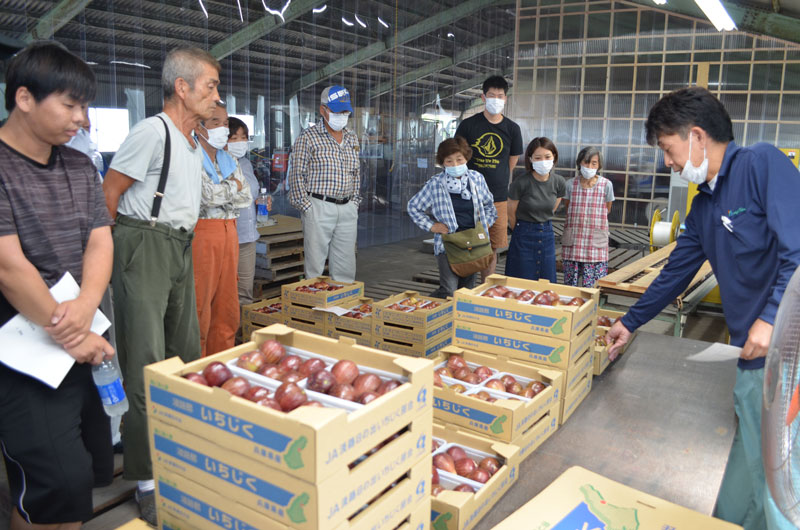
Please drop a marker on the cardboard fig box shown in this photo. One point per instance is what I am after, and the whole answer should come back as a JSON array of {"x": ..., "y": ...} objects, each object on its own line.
[
  {"x": 562, "y": 322},
  {"x": 359, "y": 329},
  {"x": 505, "y": 419},
  {"x": 309, "y": 326},
  {"x": 575, "y": 396},
  {"x": 414, "y": 335},
  {"x": 601, "y": 361},
  {"x": 305, "y": 313},
  {"x": 523, "y": 346},
  {"x": 250, "y": 313},
  {"x": 426, "y": 349},
  {"x": 538, "y": 433},
  {"x": 322, "y": 298},
  {"x": 580, "y": 498},
  {"x": 426, "y": 319},
  {"x": 457, "y": 510},
  {"x": 282, "y": 496},
  {"x": 182, "y": 504},
  {"x": 310, "y": 443}
]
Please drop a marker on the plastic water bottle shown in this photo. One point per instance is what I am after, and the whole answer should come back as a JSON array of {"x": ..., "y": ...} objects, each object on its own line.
[
  {"x": 109, "y": 383},
  {"x": 262, "y": 212}
]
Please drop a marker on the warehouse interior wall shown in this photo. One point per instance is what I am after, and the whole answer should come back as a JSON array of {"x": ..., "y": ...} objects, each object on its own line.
[{"x": 587, "y": 73}]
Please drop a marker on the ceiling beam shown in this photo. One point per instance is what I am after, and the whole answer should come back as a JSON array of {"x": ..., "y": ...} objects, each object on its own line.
[
  {"x": 446, "y": 62},
  {"x": 261, "y": 28},
  {"x": 410, "y": 33},
  {"x": 55, "y": 19},
  {"x": 747, "y": 18}
]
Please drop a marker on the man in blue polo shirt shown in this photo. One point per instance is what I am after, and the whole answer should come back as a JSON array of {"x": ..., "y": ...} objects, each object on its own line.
[{"x": 745, "y": 221}]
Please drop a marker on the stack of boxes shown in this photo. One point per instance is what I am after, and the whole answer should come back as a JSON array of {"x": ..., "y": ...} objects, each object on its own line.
[
  {"x": 412, "y": 324},
  {"x": 560, "y": 337},
  {"x": 300, "y": 298},
  {"x": 220, "y": 460}
]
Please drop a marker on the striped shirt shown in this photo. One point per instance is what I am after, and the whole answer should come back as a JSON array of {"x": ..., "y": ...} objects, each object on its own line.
[
  {"x": 319, "y": 164},
  {"x": 435, "y": 197},
  {"x": 52, "y": 209},
  {"x": 223, "y": 200}
]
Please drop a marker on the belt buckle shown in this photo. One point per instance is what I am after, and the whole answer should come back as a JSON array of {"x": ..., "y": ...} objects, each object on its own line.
[{"x": 153, "y": 221}]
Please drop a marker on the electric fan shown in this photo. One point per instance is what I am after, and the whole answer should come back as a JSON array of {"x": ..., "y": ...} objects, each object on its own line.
[{"x": 780, "y": 422}]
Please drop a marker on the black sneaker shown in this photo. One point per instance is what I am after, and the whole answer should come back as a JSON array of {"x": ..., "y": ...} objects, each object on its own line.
[{"x": 147, "y": 506}]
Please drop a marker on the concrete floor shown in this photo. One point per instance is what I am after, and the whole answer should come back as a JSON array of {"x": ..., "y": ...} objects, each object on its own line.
[{"x": 401, "y": 260}]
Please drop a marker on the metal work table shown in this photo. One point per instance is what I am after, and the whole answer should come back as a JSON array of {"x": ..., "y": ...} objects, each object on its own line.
[{"x": 652, "y": 421}]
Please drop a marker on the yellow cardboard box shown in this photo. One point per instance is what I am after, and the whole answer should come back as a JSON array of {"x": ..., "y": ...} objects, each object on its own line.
[
  {"x": 524, "y": 346},
  {"x": 538, "y": 433},
  {"x": 426, "y": 319},
  {"x": 256, "y": 319},
  {"x": 310, "y": 443},
  {"x": 575, "y": 396},
  {"x": 282, "y": 496},
  {"x": 415, "y": 335},
  {"x": 457, "y": 510},
  {"x": 563, "y": 322},
  {"x": 309, "y": 326},
  {"x": 414, "y": 349},
  {"x": 601, "y": 361},
  {"x": 505, "y": 419},
  {"x": 290, "y": 294},
  {"x": 182, "y": 504},
  {"x": 136, "y": 524},
  {"x": 359, "y": 330},
  {"x": 247, "y": 330},
  {"x": 580, "y": 498},
  {"x": 574, "y": 374}
]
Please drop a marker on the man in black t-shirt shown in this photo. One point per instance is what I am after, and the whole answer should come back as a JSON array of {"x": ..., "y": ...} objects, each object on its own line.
[
  {"x": 53, "y": 220},
  {"x": 496, "y": 143}
]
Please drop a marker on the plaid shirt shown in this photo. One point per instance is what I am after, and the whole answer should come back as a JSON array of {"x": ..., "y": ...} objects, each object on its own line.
[
  {"x": 319, "y": 164},
  {"x": 434, "y": 196}
]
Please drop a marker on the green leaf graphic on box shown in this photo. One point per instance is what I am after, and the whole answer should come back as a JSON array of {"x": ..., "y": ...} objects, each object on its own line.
[
  {"x": 295, "y": 511},
  {"x": 497, "y": 426},
  {"x": 615, "y": 517},
  {"x": 555, "y": 357},
  {"x": 441, "y": 522},
  {"x": 293, "y": 457},
  {"x": 557, "y": 328}
]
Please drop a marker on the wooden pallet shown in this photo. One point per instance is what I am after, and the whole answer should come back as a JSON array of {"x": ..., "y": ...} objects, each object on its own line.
[
  {"x": 632, "y": 238},
  {"x": 280, "y": 244},
  {"x": 384, "y": 290},
  {"x": 279, "y": 260},
  {"x": 637, "y": 276},
  {"x": 271, "y": 288},
  {"x": 284, "y": 224}
]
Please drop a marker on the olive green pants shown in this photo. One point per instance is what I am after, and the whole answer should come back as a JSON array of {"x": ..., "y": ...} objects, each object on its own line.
[
  {"x": 744, "y": 497},
  {"x": 156, "y": 318}
]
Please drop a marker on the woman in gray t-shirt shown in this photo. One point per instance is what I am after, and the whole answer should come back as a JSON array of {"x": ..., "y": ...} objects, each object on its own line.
[{"x": 532, "y": 199}]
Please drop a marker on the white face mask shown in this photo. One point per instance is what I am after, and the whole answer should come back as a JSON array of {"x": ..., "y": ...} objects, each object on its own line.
[
  {"x": 588, "y": 172},
  {"x": 696, "y": 175},
  {"x": 542, "y": 167},
  {"x": 217, "y": 137},
  {"x": 337, "y": 122},
  {"x": 495, "y": 105},
  {"x": 456, "y": 171},
  {"x": 238, "y": 149}
]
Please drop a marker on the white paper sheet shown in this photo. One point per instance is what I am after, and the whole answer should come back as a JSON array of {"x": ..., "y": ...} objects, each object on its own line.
[
  {"x": 716, "y": 352},
  {"x": 336, "y": 310},
  {"x": 26, "y": 347}
]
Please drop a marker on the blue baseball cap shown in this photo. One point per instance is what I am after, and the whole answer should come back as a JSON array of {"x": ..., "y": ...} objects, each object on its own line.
[{"x": 336, "y": 98}]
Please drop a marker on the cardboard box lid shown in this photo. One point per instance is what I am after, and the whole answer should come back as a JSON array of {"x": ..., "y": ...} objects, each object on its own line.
[{"x": 580, "y": 498}]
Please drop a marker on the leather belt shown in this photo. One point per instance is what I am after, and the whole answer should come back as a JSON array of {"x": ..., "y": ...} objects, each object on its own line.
[{"x": 334, "y": 200}]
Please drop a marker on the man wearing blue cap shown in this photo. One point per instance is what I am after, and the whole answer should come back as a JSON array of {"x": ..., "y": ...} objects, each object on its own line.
[{"x": 324, "y": 185}]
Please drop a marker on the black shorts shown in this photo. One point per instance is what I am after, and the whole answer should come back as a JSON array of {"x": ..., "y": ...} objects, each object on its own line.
[{"x": 56, "y": 444}]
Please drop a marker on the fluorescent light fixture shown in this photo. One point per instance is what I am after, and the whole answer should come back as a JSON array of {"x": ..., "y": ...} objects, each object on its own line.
[
  {"x": 660, "y": 2},
  {"x": 347, "y": 22},
  {"x": 240, "y": 10},
  {"x": 318, "y": 10},
  {"x": 717, "y": 14},
  {"x": 360, "y": 22},
  {"x": 203, "y": 7},
  {"x": 450, "y": 35},
  {"x": 384, "y": 24}
]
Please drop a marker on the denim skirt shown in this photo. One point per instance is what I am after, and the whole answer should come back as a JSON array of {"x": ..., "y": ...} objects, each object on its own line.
[{"x": 532, "y": 252}]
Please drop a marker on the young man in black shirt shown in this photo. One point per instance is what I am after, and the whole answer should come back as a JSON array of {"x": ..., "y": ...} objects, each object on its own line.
[
  {"x": 496, "y": 143},
  {"x": 56, "y": 441}
]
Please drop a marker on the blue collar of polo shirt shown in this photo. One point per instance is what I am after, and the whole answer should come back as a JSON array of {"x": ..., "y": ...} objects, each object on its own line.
[{"x": 730, "y": 153}]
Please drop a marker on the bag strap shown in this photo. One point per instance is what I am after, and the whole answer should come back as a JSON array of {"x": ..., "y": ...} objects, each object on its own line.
[
  {"x": 162, "y": 181},
  {"x": 474, "y": 202}
]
